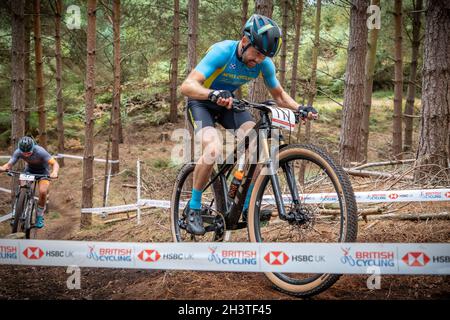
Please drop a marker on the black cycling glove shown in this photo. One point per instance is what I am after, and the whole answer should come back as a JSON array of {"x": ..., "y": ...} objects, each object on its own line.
[
  {"x": 304, "y": 111},
  {"x": 216, "y": 94}
]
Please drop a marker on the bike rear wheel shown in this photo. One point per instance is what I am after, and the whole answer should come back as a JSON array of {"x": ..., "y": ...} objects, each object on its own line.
[
  {"x": 314, "y": 172},
  {"x": 213, "y": 204}
]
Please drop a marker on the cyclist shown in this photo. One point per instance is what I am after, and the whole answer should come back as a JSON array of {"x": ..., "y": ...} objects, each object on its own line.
[
  {"x": 38, "y": 161},
  {"x": 226, "y": 66}
]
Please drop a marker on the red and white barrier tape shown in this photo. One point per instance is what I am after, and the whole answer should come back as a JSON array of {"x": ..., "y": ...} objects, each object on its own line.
[{"x": 341, "y": 258}]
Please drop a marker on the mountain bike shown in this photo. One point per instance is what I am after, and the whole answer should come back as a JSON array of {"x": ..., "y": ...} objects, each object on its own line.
[
  {"x": 25, "y": 204},
  {"x": 286, "y": 191}
]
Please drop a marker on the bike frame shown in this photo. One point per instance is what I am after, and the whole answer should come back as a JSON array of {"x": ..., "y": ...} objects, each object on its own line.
[{"x": 233, "y": 211}]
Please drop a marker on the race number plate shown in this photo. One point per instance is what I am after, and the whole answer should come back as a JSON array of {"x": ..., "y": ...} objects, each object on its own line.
[
  {"x": 283, "y": 118},
  {"x": 26, "y": 177}
]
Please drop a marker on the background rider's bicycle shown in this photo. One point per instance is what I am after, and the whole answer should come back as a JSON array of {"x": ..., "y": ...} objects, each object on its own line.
[
  {"x": 25, "y": 204},
  {"x": 282, "y": 206}
]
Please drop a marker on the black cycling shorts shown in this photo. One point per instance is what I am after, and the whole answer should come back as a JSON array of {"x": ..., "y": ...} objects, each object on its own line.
[{"x": 204, "y": 113}]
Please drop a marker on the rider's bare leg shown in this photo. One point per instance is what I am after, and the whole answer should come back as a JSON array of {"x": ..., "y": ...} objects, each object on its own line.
[
  {"x": 43, "y": 190},
  {"x": 211, "y": 149}
]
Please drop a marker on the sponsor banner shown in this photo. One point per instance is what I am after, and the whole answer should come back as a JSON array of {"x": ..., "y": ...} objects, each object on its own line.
[
  {"x": 373, "y": 196},
  {"x": 345, "y": 258}
]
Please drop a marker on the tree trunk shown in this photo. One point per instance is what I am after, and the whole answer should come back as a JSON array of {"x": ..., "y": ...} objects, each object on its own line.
[
  {"x": 17, "y": 72},
  {"x": 354, "y": 84},
  {"x": 174, "y": 63},
  {"x": 28, "y": 76},
  {"x": 258, "y": 91},
  {"x": 433, "y": 153},
  {"x": 298, "y": 23},
  {"x": 398, "y": 84},
  {"x": 285, "y": 6},
  {"x": 368, "y": 88},
  {"x": 59, "y": 98},
  {"x": 411, "y": 91},
  {"x": 17, "y": 77},
  {"x": 115, "y": 112},
  {"x": 244, "y": 17},
  {"x": 191, "y": 63},
  {"x": 192, "y": 34},
  {"x": 40, "y": 99},
  {"x": 88, "y": 158},
  {"x": 244, "y": 13},
  {"x": 313, "y": 81}
]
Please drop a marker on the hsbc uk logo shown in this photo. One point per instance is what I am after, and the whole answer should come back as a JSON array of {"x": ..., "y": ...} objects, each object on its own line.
[
  {"x": 276, "y": 258},
  {"x": 149, "y": 255},
  {"x": 420, "y": 259},
  {"x": 33, "y": 253},
  {"x": 416, "y": 259},
  {"x": 36, "y": 253},
  {"x": 393, "y": 196}
]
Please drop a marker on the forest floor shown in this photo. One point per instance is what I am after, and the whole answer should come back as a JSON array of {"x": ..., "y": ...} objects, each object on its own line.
[{"x": 152, "y": 146}]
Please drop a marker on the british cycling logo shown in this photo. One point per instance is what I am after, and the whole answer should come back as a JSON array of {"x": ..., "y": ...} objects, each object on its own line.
[
  {"x": 368, "y": 258},
  {"x": 376, "y": 196},
  {"x": 110, "y": 254},
  {"x": 8, "y": 252},
  {"x": 431, "y": 195},
  {"x": 236, "y": 257}
]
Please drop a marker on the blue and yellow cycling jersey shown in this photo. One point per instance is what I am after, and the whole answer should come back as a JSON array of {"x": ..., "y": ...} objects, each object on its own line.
[{"x": 223, "y": 70}]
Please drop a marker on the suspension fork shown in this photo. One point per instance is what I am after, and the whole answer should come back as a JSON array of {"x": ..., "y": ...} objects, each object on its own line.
[
  {"x": 269, "y": 166},
  {"x": 290, "y": 178}
]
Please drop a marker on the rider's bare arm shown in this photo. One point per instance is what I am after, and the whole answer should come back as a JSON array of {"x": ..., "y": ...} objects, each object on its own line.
[
  {"x": 193, "y": 88},
  {"x": 282, "y": 98},
  {"x": 6, "y": 167},
  {"x": 55, "y": 168}
]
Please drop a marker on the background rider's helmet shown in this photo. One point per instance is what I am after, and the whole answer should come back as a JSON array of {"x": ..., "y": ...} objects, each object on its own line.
[
  {"x": 26, "y": 144},
  {"x": 264, "y": 34}
]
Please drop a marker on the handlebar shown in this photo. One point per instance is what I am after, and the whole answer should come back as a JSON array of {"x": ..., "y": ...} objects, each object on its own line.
[
  {"x": 18, "y": 173},
  {"x": 242, "y": 105}
]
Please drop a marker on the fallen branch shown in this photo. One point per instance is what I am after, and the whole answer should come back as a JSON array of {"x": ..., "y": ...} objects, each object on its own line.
[
  {"x": 133, "y": 186},
  {"x": 411, "y": 216},
  {"x": 384, "y": 163},
  {"x": 366, "y": 173},
  {"x": 363, "y": 212}
]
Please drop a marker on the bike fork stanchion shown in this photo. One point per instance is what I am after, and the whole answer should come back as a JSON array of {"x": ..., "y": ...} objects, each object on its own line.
[
  {"x": 271, "y": 170},
  {"x": 138, "y": 190}
]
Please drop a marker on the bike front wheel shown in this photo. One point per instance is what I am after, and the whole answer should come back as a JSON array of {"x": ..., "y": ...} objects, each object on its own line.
[
  {"x": 306, "y": 170},
  {"x": 19, "y": 207}
]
